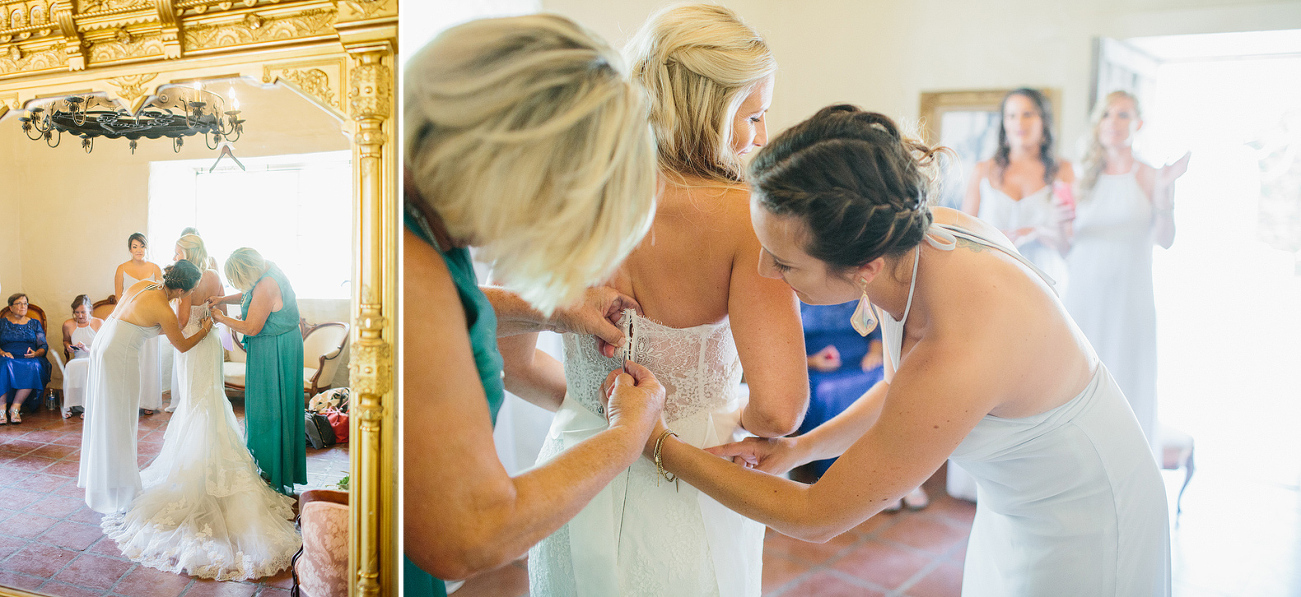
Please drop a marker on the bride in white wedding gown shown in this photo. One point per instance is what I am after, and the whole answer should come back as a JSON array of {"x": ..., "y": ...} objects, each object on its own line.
[
  {"x": 204, "y": 509},
  {"x": 707, "y": 313}
]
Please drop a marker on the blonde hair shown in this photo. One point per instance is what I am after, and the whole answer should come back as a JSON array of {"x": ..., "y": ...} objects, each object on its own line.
[
  {"x": 1095, "y": 156},
  {"x": 697, "y": 64},
  {"x": 244, "y": 267},
  {"x": 523, "y": 136},
  {"x": 193, "y": 250}
]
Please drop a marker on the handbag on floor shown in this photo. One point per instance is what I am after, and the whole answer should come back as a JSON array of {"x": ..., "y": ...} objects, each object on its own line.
[
  {"x": 319, "y": 433},
  {"x": 339, "y": 423}
]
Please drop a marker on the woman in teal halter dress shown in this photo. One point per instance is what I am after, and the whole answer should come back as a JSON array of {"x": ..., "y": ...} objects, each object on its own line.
[{"x": 273, "y": 386}]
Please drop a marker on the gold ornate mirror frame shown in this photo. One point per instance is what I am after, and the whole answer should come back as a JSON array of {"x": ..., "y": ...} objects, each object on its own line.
[{"x": 339, "y": 54}]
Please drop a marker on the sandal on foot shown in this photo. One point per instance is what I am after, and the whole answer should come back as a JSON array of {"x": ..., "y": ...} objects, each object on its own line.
[{"x": 15, "y": 417}]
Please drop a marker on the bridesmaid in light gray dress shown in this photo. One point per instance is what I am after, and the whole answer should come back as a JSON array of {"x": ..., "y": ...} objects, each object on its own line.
[
  {"x": 984, "y": 366},
  {"x": 126, "y": 276},
  {"x": 1126, "y": 207}
]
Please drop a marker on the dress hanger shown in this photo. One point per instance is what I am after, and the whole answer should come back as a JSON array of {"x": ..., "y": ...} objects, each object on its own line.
[{"x": 225, "y": 151}]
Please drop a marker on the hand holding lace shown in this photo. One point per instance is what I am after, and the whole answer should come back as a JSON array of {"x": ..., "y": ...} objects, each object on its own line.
[
  {"x": 633, "y": 400},
  {"x": 597, "y": 314}
]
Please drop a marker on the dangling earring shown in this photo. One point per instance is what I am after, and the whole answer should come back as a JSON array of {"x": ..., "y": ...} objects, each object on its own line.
[{"x": 864, "y": 318}]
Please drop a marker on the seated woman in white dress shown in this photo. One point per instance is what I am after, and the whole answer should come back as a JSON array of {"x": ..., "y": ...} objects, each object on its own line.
[
  {"x": 706, "y": 313},
  {"x": 78, "y": 335},
  {"x": 983, "y": 365}
]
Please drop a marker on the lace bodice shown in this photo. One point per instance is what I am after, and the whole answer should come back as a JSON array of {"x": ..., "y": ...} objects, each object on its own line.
[
  {"x": 698, "y": 366},
  {"x": 197, "y": 316}
]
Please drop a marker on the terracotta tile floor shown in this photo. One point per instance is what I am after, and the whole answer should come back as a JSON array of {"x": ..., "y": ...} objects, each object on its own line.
[
  {"x": 51, "y": 543},
  {"x": 913, "y": 554},
  {"x": 1237, "y": 536}
]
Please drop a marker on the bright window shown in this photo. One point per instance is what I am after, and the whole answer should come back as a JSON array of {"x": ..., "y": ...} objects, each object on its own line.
[{"x": 296, "y": 210}]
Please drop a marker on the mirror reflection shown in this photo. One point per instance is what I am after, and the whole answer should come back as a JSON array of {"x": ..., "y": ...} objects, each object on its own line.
[{"x": 180, "y": 270}]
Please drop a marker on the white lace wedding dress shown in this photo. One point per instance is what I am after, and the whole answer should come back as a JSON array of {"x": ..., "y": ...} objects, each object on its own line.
[
  {"x": 204, "y": 510},
  {"x": 642, "y": 535}
]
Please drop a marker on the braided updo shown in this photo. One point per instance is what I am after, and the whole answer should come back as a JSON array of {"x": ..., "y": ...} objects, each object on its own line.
[
  {"x": 857, "y": 183},
  {"x": 181, "y": 275}
]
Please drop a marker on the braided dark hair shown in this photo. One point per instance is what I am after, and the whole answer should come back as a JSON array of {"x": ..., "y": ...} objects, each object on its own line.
[
  {"x": 181, "y": 275},
  {"x": 1002, "y": 156},
  {"x": 860, "y": 186}
]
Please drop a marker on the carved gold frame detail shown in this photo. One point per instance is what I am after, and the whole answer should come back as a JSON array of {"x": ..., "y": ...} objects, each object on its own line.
[{"x": 339, "y": 54}]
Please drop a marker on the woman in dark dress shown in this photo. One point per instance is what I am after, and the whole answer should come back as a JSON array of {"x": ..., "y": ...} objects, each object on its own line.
[{"x": 23, "y": 366}]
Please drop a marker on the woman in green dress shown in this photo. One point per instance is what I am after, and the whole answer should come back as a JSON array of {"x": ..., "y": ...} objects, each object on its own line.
[{"x": 273, "y": 382}]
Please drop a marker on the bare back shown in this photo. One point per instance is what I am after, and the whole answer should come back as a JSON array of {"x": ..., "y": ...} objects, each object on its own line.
[
  {"x": 699, "y": 265},
  {"x": 681, "y": 272},
  {"x": 140, "y": 303},
  {"x": 983, "y": 304}
]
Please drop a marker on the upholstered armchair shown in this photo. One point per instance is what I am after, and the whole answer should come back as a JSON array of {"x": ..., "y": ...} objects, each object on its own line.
[
  {"x": 320, "y": 568},
  {"x": 323, "y": 345}
]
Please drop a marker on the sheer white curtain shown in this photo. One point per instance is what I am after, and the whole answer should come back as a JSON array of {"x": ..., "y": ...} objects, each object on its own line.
[{"x": 295, "y": 210}]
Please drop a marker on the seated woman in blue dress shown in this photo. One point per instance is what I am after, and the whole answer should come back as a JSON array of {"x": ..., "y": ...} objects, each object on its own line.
[
  {"x": 23, "y": 366},
  {"x": 843, "y": 365}
]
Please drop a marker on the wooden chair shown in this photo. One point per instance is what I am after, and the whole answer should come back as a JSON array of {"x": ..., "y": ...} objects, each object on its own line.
[
  {"x": 33, "y": 312},
  {"x": 1177, "y": 453},
  {"x": 323, "y": 344},
  {"x": 103, "y": 308},
  {"x": 233, "y": 369},
  {"x": 320, "y": 568}
]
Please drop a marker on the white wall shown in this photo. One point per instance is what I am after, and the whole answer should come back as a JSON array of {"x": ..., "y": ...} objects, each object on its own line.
[
  {"x": 65, "y": 215},
  {"x": 882, "y": 54}
]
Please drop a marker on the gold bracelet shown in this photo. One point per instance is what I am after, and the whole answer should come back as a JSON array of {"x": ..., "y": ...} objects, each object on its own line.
[{"x": 659, "y": 460}]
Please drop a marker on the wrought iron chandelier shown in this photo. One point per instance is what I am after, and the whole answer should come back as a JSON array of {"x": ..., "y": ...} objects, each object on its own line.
[{"x": 176, "y": 112}]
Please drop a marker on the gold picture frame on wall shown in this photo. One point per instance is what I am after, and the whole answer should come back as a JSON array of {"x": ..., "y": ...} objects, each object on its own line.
[
  {"x": 967, "y": 122},
  {"x": 341, "y": 56}
]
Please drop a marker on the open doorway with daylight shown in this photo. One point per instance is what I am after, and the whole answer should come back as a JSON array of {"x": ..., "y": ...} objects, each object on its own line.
[{"x": 1227, "y": 294}]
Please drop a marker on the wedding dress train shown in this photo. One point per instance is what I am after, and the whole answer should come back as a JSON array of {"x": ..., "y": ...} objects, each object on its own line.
[{"x": 204, "y": 509}]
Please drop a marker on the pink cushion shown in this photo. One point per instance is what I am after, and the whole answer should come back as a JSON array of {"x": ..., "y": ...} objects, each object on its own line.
[{"x": 323, "y": 567}]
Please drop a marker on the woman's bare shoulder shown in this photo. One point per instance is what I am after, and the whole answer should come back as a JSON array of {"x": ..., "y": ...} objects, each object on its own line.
[{"x": 423, "y": 268}]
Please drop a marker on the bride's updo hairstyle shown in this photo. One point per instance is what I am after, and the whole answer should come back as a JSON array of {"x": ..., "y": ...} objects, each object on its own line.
[
  {"x": 697, "y": 64},
  {"x": 861, "y": 188},
  {"x": 181, "y": 275},
  {"x": 193, "y": 250},
  {"x": 524, "y": 136}
]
